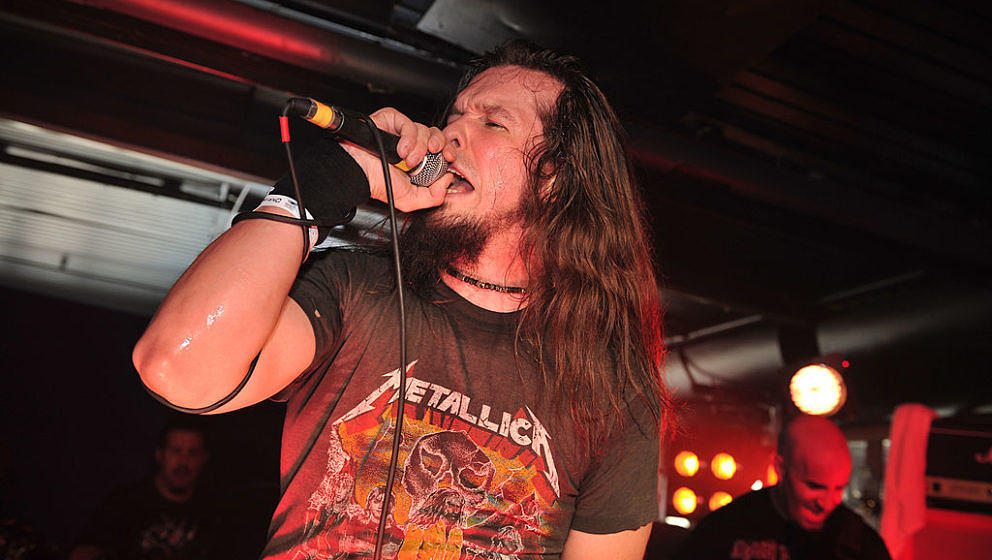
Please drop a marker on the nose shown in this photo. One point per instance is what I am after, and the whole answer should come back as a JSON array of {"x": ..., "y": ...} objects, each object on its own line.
[{"x": 454, "y": 134}]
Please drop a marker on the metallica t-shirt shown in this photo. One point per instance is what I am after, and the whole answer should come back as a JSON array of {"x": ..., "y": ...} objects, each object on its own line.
[{"x": 487, "y": 468}]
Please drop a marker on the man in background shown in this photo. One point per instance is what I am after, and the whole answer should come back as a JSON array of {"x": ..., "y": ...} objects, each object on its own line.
[
  {"x": 159, "y": 516},
  {"x": 801, "y": 517}
]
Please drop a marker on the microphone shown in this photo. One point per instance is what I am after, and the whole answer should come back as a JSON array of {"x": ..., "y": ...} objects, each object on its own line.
[{"x": 351, "y": 126}]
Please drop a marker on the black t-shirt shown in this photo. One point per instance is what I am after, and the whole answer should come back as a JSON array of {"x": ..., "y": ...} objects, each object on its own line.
[
  {"x": 487, "y": 467},
  {"x": 751, "y": 528},
  {"x": 136, "y": 523}
]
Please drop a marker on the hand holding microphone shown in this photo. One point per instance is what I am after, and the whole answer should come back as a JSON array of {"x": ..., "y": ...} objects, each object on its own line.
[
  {"x": 353, "y": 127},
  {"x": 417, "y": 143}
]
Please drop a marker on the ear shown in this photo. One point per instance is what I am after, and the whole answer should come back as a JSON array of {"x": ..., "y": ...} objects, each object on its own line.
[{"x": 779, "y": 464}]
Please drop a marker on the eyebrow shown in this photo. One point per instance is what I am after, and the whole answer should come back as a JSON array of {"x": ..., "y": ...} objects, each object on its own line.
[{"x": 492, "y": 110}]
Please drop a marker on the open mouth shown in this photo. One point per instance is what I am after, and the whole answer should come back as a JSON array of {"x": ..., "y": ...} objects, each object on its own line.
[{"x": 459, "y": 184}]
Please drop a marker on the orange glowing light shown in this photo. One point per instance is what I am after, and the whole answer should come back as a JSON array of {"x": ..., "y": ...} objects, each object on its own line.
[
  {"x": 723, "y": 466},
  {"x": 818, "y": 390},
  {"x": 684, "y": 500},
  {"x": 772, "y": 476},
  {"x": 686, "y": 463},
  {"x": 719, "y": 499}
]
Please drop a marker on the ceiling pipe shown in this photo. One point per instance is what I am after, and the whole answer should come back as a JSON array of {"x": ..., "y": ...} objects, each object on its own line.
[
  {"x": 275, "y": 32},
  {"x": 943, "y": 314},
  {"x": 755, "y": 354}
]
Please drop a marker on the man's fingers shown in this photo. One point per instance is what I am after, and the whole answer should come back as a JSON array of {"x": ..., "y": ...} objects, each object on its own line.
[
  {"x": 415, "y": 139},
  {"x": 417, "y": 198},
  {"x": 436, "y": 142}
]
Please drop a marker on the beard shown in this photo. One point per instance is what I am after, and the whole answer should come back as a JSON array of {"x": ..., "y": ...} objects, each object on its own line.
[{"x": 431, "y": 242}]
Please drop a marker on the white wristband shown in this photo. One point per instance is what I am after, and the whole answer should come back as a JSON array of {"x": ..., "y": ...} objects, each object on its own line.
[{"x": 289, "y": 204}]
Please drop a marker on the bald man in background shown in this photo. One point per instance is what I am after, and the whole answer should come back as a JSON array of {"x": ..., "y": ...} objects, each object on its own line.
[{"x": 800, "y": 518}]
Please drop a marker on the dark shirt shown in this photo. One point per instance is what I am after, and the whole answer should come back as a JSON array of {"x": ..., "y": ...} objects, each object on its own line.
[
  {"x": 750, "y": 528},
  {"x": 136, "y": 522},
  {"x": 488, "y": 466}
]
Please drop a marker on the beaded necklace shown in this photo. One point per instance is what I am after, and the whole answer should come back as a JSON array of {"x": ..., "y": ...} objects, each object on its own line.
[{"x": 486, "y": 285}]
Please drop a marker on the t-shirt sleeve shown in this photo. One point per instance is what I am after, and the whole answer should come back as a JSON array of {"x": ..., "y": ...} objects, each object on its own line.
[
  {"x": 322, "y": 291},
  {"x": 620, "y": 492}
]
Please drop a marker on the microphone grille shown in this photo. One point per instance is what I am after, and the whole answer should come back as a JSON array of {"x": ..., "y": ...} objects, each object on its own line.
[{"x": 429, "y": 170}]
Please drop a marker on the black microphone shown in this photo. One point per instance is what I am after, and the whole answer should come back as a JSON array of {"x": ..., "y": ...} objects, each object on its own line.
[{"x": 351, "y": 126}]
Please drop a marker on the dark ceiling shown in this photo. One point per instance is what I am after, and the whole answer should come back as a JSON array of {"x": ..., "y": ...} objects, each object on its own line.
[{"x": 817, "y": 173}]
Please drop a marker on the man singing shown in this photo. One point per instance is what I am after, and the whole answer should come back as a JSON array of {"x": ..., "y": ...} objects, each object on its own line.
[{"x": 533, "y": 387}]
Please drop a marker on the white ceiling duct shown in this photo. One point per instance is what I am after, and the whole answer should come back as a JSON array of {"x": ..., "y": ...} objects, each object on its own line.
[{"x": 65, "y": 232}]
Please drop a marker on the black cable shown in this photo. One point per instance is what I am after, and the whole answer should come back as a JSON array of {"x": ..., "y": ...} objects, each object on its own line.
[
  {"x": 296, "y": 187},
  {"x": 212, "y": 407},
  {"x": 401, "y": 399}
]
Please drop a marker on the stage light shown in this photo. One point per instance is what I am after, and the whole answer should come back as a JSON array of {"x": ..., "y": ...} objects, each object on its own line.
[
  {"x": 686, "y": 463},
  {"x": 757, "y": 485},
  {"x": 723, "y": 466},
  {"x": 719, "y": 499},
  {"x": 818, "y": 390},
  {"x": 772, "y": 476},
  {"x": 684, "y": 500}
]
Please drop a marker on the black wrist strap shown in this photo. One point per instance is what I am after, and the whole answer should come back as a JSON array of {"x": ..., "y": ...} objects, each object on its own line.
[{"x": 259, "y": 215}]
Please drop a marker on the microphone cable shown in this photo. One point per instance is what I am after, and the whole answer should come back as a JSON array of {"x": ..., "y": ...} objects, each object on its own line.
[
  {"x": 401, "y": 398},
  {"x": 398, "y": 272}
]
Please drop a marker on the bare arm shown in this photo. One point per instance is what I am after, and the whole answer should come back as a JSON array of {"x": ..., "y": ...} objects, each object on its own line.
[
  {"x": 625, "y": 545},
  {"x": 232, "y": 304},
  {"x": 221, "y": 313}
]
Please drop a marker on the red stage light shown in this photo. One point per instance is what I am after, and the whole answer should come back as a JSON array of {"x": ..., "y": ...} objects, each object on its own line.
[
  {"x": 818, "y": 390},
  {"x": 719, "y": 499},
  {"x": 686, "y": 463},
  {"x": 723, "y": 466},
  {"x": 684, "y": 500}
]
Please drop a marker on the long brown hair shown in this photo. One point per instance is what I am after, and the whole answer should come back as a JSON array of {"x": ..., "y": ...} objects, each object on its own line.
[{"x": 593, "y": 314}]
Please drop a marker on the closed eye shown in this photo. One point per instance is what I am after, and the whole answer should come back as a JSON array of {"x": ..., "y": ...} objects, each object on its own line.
[{"x": 492, "y": 124}]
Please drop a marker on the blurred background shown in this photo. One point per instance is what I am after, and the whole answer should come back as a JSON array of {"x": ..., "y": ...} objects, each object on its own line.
[{"x": 817, "y": 175}]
